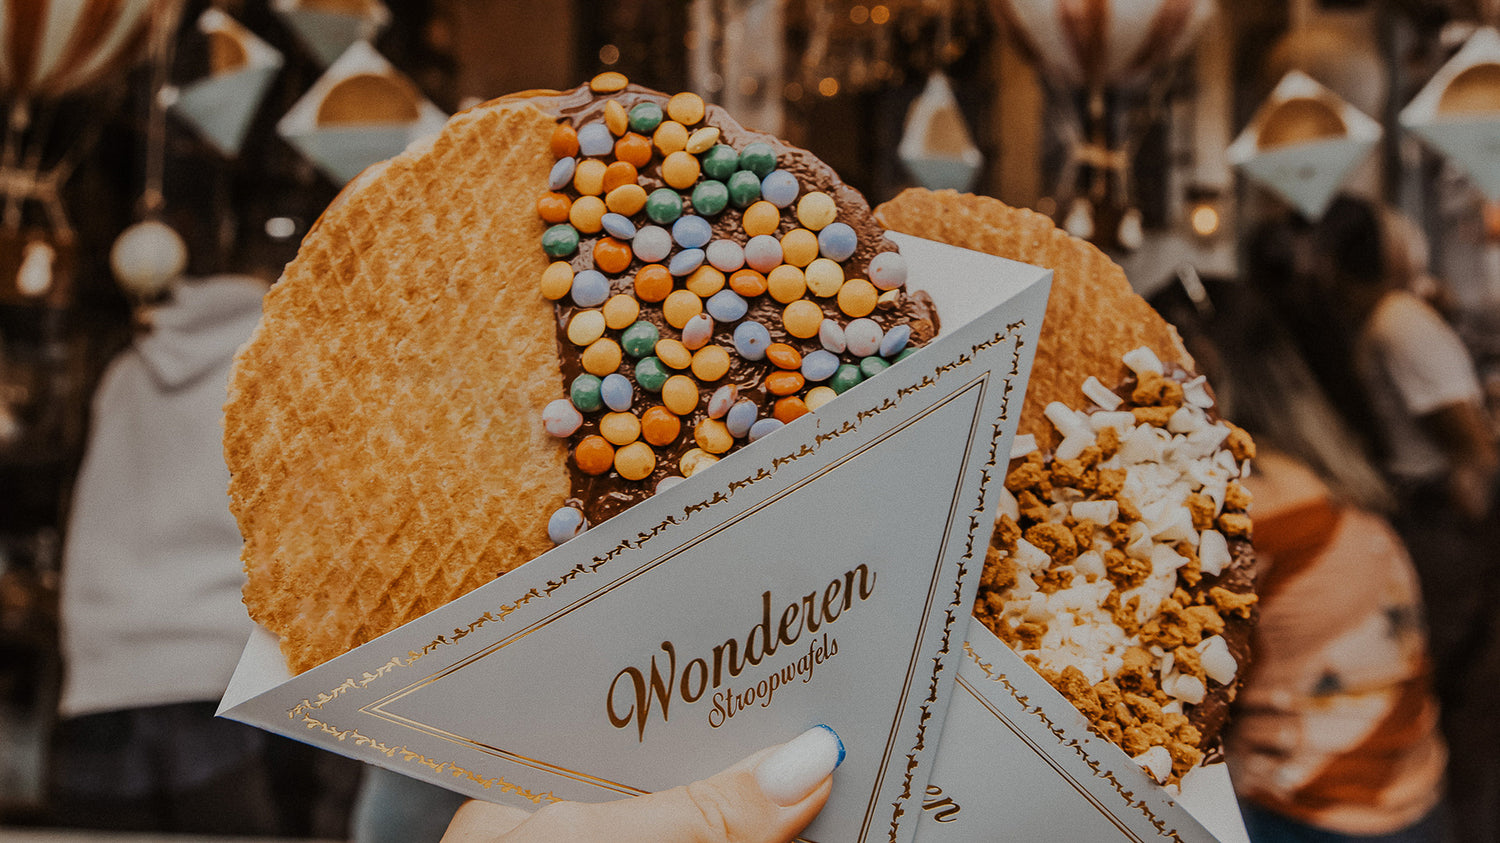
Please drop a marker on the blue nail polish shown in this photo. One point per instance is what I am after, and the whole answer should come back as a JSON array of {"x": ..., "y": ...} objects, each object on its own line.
[{"x": 836, "y": 738}]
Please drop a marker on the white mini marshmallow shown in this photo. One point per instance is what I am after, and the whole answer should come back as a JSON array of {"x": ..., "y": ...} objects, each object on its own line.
[
  {"x": 1213, "y": 552},
  {"x": 1185, "y": 687},
  {"x": 1101, "y": 395},
  {"x": 1023, "y": 445},
  {"x": 1156, "y": 761},
  {"x": 1143, "y": 361},
  {"x": 1218, "y": 663},
  {"x": 1099, "y": 512}
]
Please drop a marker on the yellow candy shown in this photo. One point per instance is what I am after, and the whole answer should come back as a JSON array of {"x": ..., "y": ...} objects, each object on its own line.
[
  {"x": 680, "y": 394},
  {"x": 670, "y": 137},
  {"x": 615, "y": 118},
  {"x": 587, "y": 214},
  {"x": 686, "y": 108},
  {"x": 673, "y": 354},
  {"x": 824, "y": 277},
  {"x": 858, "y": 297},
  {"x": 635, "y": 461},
  {"x": 679, "y": 307},
  {"x": 557, "y": 280},
  {"x": 705, "y": 281},
  {"x": 602, "y": 357},
  {"x": 620, "y": 428},
  {"x": 712, "y": 436},
  {"x": 702, "y": 140},
  {"x": 799, "y": 247},
  {"x": 680, "y": 170},
  {"x": 710, "y": 363},
  {"x": 620, "y": 311},
  {"x": 627, "y": 199},
  {"x": 695, "y": 461},
  {"x": 786, "y": 283},
  {"x": 761, "y": 218},
  {"x": 801, "y": 319},
  {"x": 818, "y": 396},
  {"x": 816, "y": 210},
  {"x": 585, "y": 327},
  {"x": 588, "y": 178},
  {"x": 608, "y": 82}
]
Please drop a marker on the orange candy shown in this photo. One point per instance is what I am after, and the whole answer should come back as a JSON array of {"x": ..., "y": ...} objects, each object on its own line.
[
  {"x": 611, "y": 255},
  {"x": 789, "y": 409},
  {"x": 626, "y": 199},
  {"x": 747, "y": 282},
  {"x": 653, "y": 283},
  {"x": 633, "y": 149},
  {"x": 784, "y": 383},
  {"x": 594, "y": 455},
  {"x": 564, "y": 141},
  {"x": 619, "y": 173},
  {"x": 858, "y": 297},
  {"x": 553, "y": 207},
  {"x": 659, "y": 426},
  {"x": 783, "y": 356}
]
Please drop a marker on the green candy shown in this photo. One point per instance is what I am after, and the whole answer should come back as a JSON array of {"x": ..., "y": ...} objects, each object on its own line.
[
  {"x": 651, "y": 374},
  {"x": 584, "y": 393},
  {"x": 847, "y": 377},
  {"x": 906, "y": 352},
  {"x": 560, "y": 240},
  {"x": 759, "y": 158},
  {"x": 664, "y": 205},
  {"x": 744, "y": 188},
  {"x": 720, "y": 162},
  {"x": 872, "y": 366},
  {"x": 639, "y": 340},
  {"x": 644, "y": 117},
  {"x": 710, "y": 197}
]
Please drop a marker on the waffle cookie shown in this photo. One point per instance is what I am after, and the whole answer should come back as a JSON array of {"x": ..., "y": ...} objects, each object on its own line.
[
  {"x": 1120, "y": 566},
  {"x": 561, "y": 304}
]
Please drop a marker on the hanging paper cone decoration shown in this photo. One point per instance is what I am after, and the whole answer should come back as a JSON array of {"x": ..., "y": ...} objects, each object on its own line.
[
  {"x": 1458, "y": 111},
  {"x": 48, "y": 49},
  {"x": 1303, "y": 142},
  {"x": 1103, "y": 43},
  {"x": 362, "y": 111},
  {"x": 936, "y": 146},
  {"x": 221, "y": 105},
  {"x": 328, "y": 27}
]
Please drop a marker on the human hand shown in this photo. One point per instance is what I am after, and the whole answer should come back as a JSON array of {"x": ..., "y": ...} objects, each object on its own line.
[{"x": 766, "y": 798}]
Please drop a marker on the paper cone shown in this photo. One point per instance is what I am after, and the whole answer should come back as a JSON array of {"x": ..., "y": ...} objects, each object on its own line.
[
  {"x": 221, "y": 106},
  {"x": 329, "y": 27},
  {"x": 936, "y": 146},
  {"x": 1458, "y": 111},
  {"x": 1302, "y": 143}
]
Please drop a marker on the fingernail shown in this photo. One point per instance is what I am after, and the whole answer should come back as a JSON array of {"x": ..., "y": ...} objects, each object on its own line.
[{"x": 796, "y": 770}]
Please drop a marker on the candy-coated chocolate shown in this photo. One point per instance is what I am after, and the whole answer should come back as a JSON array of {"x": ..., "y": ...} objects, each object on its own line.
[
  {"x": 702, "y": 139},
  {"x": 585, "y": 327},
  {"x": 553, "y": 207},
  {"x": 587, "y": 214},
  {"x": 686, "y": 262},
  {"x": 722, "y": 399},
  {"x": 601, "y": 357},
  {"x": 560, "y": 240},
  {"x": 905, "y": 353},
  {"x": 634, "y": 149},
  {"x": 679, "y": 307},
  {"x": 695, "y": 461},
  {"x": 744, "y": 188},
  {"x": 824, "y": 277},
  {"x": 727, "y": 306},
  {"x": 557, "y": 280},
  {"x": 783, "y": 356},
  {"x": 562, "y": 173},
  {"x": 651, "y": 243},
  {"x": 786, "y": 283},
  {"x": 645, "y": 117},
  {"x": 819, "y": 365},
  {"x": 594, "y": 455},
  {"x": 561, "y": 418},
  {"x": 566, "y": 523},
  {"x": 761, "y": 218},
  {"x": 668, "y": 482},
  {"x": 725, "y": 255},
  {"x": 698, "y": 331},
  {"x": 680, "y": 394},
  {"x": 639, "y": 340},
  {"x": 595, "y": 139},
  {"x": 857, "y": 297},
  {"x": 847, "y": 377},
  {"x": 617, "y": 225},
  {"x": 837, "y": 241},
  {"x": 747, "y": 282},
  {"x": 692, "y": 232},
  {"x": 686, "y": 108},
  {"x": 762, "y": 253},
  {"x": 818, "y": 396},
  {"x": 670, "y": 137},
  {"x": 627, "y": 199},
  {"x": 583, "y": 392},
  {"x": 712, "y": 436},
  {"x": 799, "y": 247},
  {"x": 635, "y": 461},
  {"x": 709, "y": 197},
  {"x": 763, "y": 426},
  {"x": 616, "y": 391},
  {"x": 710, "y": 363},
  {"x": 660, "y": 426},
  {"x": 751, "y": 340},
  {"x": 615, "y": 118},
  {"x": 608, "y": 82},
  {"x": 789, "y": 409},
  {"x": 831, "y": 335},
  {"x": 863, "y": 337},
  {"x": 619, "y": 173},
  {"x": 872, "y": 366},
  {"x": 801, "y": 319},
  {"x": 620, "y": 311},
  {"x": 895, "y": 340},
  {"x": 741, "y": 415},
  {"x": 758, "y": 158},
  {"x": 888, "y": 270},
  {"x": 673, "y": 353},
  {"x": 564, "y": 142},
  {"x": 704, "y": 281},
  {"x": 720, "y": 162},
  {"x": 780, "y": 188},
  {"x": 680, "y": 169},
  {"x": 588, "y": 178},
  {"x": 816, "y": 210},
  {"x": 590, "y": 288},
  {"x": 663, "y": 205},
  {"x": 650, "y": 374},
  {"x": 652, "y": 283},
  {"x": 620, "y": 428},
  {"x": 783, "y": 382}
]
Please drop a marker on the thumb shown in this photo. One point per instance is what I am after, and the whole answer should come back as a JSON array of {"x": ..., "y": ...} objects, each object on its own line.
[{"x": 766, "y": 798}]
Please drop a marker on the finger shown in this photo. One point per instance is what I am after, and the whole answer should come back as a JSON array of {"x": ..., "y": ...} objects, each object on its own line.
[
  {"x": 766, "y": 798},
  {"x": 483, "y": 822}
]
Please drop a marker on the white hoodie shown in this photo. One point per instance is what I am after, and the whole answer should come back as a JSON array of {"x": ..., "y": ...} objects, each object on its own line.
[{"x": 151, "y": 569}]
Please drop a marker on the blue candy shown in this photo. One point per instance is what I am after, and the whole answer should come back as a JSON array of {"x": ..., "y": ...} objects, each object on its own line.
[
  {"x": 780, "y": 188},
  {"x": 652, "y": 243},
  {"x": 895, "y": 340},
  {"x": 620, "y": 226},
  {"x": 762, "y": 427},
  {"x": 819, "y": 365},
  {"x": 617, "y": 392},
  {"x": 595, "y": 139},
  {"x": 751, "y": 340},
  {"x": 837, "y": 241},
  {"x": 566, "y": 523},
  {"x": 727, "y": 306},
  {"x": 740, "y": 418},
  {"x": 692, "y": 232},
  {"x": 562, "y": 173},
  {"x": 590, "y": 288},
  {"x": 685, "y": 261}
]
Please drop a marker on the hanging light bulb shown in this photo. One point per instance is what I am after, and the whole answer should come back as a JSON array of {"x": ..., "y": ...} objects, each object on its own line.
[
  {"x": 1080, "y": 219},
  {"x": 34, "y": 278},
  {"x": 147, "y": 257},
  {"x": 1131, "y": 233}
]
